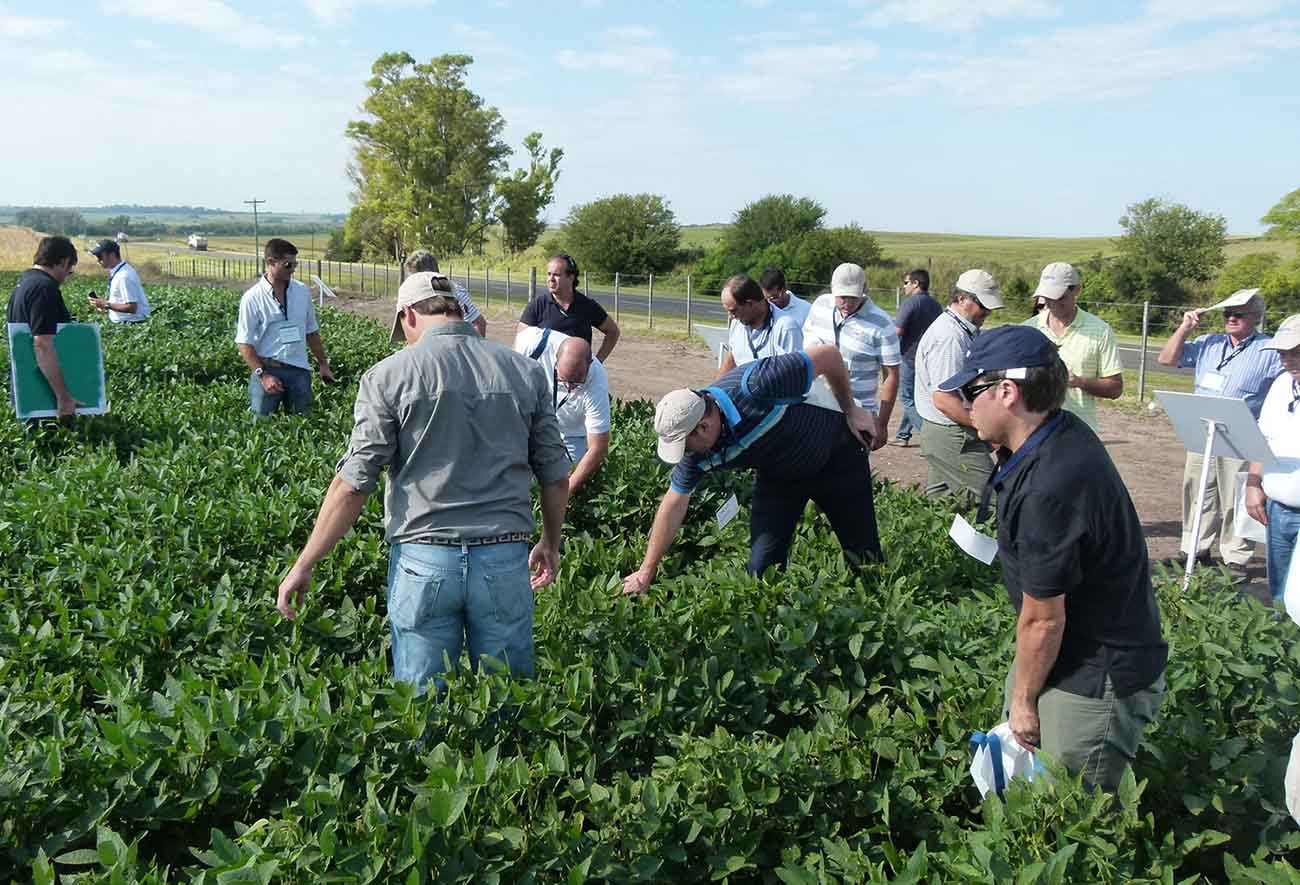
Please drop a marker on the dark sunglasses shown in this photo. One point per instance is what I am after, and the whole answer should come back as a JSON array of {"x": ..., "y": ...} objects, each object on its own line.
[
  {"x": 1235, "y": 314},
  {"x": 287, "y": 262},
  {"x": 971, "y": 390}
]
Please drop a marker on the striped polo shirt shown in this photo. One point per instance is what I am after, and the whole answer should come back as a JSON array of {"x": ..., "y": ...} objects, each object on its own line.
[
  {"x": 866, "y": 339},
  {"x": 1246, "y": 371}
]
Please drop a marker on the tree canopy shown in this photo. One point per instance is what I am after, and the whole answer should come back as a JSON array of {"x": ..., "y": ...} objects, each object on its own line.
[
  {"x": 1185, "y": 243},
  {"x": 523, "y": 195},
  {"x": 1284, "y": 216},
  {"x": 630, "y": 233}
]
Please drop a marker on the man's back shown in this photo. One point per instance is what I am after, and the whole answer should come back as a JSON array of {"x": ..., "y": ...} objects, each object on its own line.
[
  {"x": 915, "y": 315},
  {"x": 38, "y": 302}
]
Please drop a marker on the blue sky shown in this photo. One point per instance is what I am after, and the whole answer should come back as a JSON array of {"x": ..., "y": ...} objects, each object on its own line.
[{"x": 1038, "y": 117}]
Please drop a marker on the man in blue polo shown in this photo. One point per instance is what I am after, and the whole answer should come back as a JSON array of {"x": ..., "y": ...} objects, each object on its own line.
[
  {"x": 1237, "y": 363},
  {"x": 755, "y": 417}
]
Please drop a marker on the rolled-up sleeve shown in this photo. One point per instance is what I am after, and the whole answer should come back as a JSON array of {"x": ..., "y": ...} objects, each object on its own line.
[
  {"x": 547, "y": 456},
  {"x": 374, "y": 438}
]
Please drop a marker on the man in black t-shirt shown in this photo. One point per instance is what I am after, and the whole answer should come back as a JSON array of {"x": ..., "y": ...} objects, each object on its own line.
[
  {"x": 567, "y": 310},
  {"x": 915, "y": 315},
  {"x": 38, "y": 302},
  {"x": 1090, "y": 658}
]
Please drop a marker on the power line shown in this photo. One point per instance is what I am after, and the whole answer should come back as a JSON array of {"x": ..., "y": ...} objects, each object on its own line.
[{"x": 257, "y": 243}]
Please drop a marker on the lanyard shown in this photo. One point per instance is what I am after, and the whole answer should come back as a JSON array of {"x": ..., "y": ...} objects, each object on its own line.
[
  {"x": 765, "y": 333},
  {"x": 112, "y": 273},
  {"x": 1046, "y": 429},
  {"x": 1295, "y": 396},
  {"x": 555, "y": 392},
  {"x": 1230, "y": 355}
]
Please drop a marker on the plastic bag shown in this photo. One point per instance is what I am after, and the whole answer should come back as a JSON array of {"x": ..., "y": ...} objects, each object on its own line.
[
  {"x": 1243, "y": 524},
  {"x": 999, "y": 757},
  {"x": 1292, "y": 780}
]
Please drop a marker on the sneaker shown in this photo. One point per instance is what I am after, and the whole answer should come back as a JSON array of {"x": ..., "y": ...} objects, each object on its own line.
[{"x": 902, "y": 442}]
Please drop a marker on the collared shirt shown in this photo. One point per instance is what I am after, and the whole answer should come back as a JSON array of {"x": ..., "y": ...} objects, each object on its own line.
[
  {"x": 766, "y": 425},
  {"x": 1279, "y": 421},
  {"x": 468, "y": 308},
  {"x": 1089, "y": 350},
  {"x": 584, "y": 410},
  {"x": 779, "y": 334},
  {"x": 277, "y": 332},
  {"x": 941, "y": 354},
  {"x": 797, "y": 308},
  {"x": 124, "y": 288},
  {"x": 915, "y": 315},
  {"x": 582, "y": 315},
  {"x": 1243, "y": 372},
  {"x": 866, "y": 339},
  {"x": 37, "y": 301},
  {"x": 1067, "y": 527},
  {"x": 462, "y": 424}
]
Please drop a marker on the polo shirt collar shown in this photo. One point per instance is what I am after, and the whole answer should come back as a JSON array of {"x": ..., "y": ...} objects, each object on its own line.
[
  {"x": 962, "y": 321},
  {"x": 455, "y": 327}
]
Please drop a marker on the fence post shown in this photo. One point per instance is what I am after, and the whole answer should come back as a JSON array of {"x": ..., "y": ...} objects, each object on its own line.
[
  {"x": 466, "y": 277},
  {"x": 363, "y": 278},
  {"x": 616, "y": 316},
  {"x": 688, "y": 305},
  {"x": 194, "y": 267},
  {"x": 1142, "y": 357},
  {"x": 507, "y": 289},
  {"x": 487, "y": 288},
  {"x": 532, "y": 282},
  {"x": 586, "y": 283},
  {"x": 650, "y": 304},
  {"x": 898, "y": 294}
]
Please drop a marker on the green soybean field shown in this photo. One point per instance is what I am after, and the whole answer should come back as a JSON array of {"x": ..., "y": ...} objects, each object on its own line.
[{"x": 160, "y": 722}]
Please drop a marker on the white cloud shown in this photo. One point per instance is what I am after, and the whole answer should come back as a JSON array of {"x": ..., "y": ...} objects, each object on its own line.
[
  {"x": 26, "y": 26},
  {"x": 955, "y": 15},
  {"x": 472, "y": 34},
  {"x": 337, "y": 12},
  {"x": 786, "y": 73},
  {"x": 640, "y": 60},
  {"x": 214, "y": 17},
  {"x": 630, "y": 33},
  {"x": 1187, "y": 11}
]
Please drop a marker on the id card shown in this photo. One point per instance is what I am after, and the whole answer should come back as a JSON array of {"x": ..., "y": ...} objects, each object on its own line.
[
  {"x": 1213, "y": 382},
  {"x": 727, "y": 512},
  {"x": 288, "y": 333}
]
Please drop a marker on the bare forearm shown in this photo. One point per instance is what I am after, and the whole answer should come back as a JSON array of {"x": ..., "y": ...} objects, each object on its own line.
[
  {"x": 1172, "y": 352},
  {"x": 47, "y": 359},
  {"x": 668, "y": 521},
  {"x": 950, "y": 405},
  {"x": 1103, "y": 388},
  {"x": 124, "y": 307},
  {"x": 250, "y": 357},
  {"x": 590, "y": 462},
  {"x": 318, "y": 349},
  {"x": 611, "y": 332},
  {"x": 555, "y": 500},
  {"x": 338, "y": 513},
  {"x": 1037, "y": 644},
  {"x": 888, "y": 393}
]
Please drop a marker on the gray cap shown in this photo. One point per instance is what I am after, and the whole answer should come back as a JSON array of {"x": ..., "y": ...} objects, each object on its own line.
[
  {"x": 981, "y": 285},
  {"x": 414, "y": 289},
  {"x": 848, "y": 281}
]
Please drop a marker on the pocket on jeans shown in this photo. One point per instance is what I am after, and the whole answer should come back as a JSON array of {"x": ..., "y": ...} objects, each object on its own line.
[
  {"x": 511, "y": 592},
  {"x": 413, "y": 597}
]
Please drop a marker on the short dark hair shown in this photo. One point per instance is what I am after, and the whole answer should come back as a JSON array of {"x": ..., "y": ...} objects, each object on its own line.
[
  {"x": 921, "y": 277},
  {"x": 439, "y": 304},
  {"x": 743, "y": 289},
  {"x": 773, "y": 279},
  {"x": 570, "y": 266},
  {"x": 421, "y": 260},
  {"x": 1043, "y": 388},
  {"x": 53, "y": 251},
  {"x": 278, "y": 249}
]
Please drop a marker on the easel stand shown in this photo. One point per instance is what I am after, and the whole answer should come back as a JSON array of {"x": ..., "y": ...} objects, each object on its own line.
[{"x": 1212, "y": 430}]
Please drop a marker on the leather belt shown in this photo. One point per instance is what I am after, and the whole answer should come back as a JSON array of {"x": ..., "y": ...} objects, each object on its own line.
[{"x": 507, "y": 538}]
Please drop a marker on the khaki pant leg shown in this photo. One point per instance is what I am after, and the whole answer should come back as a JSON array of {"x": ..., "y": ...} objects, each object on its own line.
[
  {"x": 936, "y": 448},
  {"x": 957, "y": 460},
  {"x": 1210, "y": 514},
  {"x": 1232, "y": 548}
]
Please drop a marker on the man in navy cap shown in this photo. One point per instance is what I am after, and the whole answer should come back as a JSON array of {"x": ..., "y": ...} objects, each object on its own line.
[{"x": 1090, "y": 658}]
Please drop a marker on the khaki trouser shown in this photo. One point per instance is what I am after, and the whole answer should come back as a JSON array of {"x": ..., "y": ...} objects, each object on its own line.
[
  {"x": 1219, "y": 509},
  {"x": 957, "y": 458},
  {"x": 1096, "y": 736}
]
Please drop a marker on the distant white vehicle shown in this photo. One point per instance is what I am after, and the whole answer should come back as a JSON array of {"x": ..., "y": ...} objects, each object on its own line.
[
  {"x": 197, "y": 242},
  {"x": 122, "y": 237}
]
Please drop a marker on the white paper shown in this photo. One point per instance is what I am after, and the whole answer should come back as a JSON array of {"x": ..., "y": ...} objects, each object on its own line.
[
  {"x": 1243, "y": 524},
  {"x": 1017, "y": 761},
  {"x": 727, "y": 512},
  {"x": 982, "y": 547},
  {"x": 1212, "y": 381}
]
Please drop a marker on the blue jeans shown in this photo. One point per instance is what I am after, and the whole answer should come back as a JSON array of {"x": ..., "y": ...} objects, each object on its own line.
[
  {"x": 439, "y": 596},
  {"x": 1283, "y": 527},
  {"x": 911, "y": 422},
  {"x": 296, "y": 396}
]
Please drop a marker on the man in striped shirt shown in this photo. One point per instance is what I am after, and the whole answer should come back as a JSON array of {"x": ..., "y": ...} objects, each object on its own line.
[
  {"x": 864, "y": 335},
  {"x": 1236, "y": 363}
]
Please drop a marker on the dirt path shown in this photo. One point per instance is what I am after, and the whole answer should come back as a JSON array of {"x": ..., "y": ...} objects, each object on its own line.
[{"x": 1145, "y": 449}]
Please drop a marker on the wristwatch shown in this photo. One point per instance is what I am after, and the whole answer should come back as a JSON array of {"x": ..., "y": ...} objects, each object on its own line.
[{"x": 257, "y": 373}]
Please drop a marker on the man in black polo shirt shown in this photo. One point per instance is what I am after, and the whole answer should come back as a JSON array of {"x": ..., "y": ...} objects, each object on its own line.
[
  {"x": 38, "y": 302},
  {"x": 755, "y": 417},
  {"x": 567, "y": 310},
  {"x": 1088, "y": 673}
]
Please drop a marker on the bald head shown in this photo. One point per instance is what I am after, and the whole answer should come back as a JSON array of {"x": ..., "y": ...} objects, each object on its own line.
[{"x": 572, "y": 359}]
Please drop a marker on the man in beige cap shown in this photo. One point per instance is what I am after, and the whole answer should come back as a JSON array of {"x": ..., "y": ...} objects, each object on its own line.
[
  {"x": 958, "y": 459},
  {"x": 462, "y": 424},
  {"x": 1086, "y": 343},
  {"x": 755, "y": 417},
  {"x": 1236, "y": 363}
]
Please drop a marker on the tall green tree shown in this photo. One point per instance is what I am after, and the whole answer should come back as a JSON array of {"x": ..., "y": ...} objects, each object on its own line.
[
  {"x": 630, "y": 233},
  {"x": 427, "y": 156},
  {"x": 1185, "y": 243},
  {"x": 523, "y": 195},
  {"x": 1284, "y": 216},
  {"x": 773, "y": 219}
]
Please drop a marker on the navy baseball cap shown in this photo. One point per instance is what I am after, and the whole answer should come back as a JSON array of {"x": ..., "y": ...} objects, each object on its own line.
[
  {"x": 105, "y": 246},
  {"x": 1002, "y": 349}
]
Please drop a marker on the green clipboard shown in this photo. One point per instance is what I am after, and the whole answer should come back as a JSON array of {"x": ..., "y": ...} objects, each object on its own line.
[{"x": 81, "y": 355}]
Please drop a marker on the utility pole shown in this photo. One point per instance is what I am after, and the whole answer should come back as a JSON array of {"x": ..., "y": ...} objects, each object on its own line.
[{"x": 257, "y": 241}]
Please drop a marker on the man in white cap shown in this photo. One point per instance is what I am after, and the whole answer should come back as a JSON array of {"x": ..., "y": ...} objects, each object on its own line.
[
  {"x": 462, "y": 424},
  {"x": 755, "y": 417},
  {"x": 847, "y": 320},
  {"x": 1235, "y": 363},
  {"x": 579, "y": 393},
  {"x": 1086, "y": 343},
  {"x": 957, "y": 457}
]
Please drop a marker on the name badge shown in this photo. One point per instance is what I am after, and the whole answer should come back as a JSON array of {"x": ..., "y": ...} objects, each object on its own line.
[
  {"x": 975, "y": 544},
  {"x": 288, "y": 333},
  {"x": 727, "y": 512}
]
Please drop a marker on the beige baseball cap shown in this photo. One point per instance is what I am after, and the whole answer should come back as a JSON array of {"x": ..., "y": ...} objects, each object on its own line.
[
  {"x": 848, "y": 281},
  {"x": 1055, "y": 280},
  {"x": 1287, "y": 335},
  {"x": 1247, "y": 298},
  {"x": 414, "y": 289},
  {"x": 675, "y": 417},
  {"x": 980, "y": 283}
]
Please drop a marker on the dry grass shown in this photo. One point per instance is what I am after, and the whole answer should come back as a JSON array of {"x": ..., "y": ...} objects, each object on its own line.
[{"x": 17, "y": 247}]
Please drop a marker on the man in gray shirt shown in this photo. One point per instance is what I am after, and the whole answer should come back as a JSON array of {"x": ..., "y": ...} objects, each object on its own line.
[
  {"x": 462, "y": 424},
  {"x": 956, "y": 456}
]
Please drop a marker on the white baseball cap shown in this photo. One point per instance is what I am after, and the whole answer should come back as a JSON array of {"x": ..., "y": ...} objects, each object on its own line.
[
  {"x": 1287, "y": 335},
  {"x": 981, "y": 285},
  {"x": 848, "y": 281},
  {"x": 675, "y": 417},
  {"x": 1055, "y": 280},
  {"x": 1248, "y": 298},
  {"x": 414, "y": 289}
]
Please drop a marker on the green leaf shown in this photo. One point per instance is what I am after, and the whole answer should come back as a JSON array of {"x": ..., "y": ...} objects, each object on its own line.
[
  {"x": 446, "y": 806},
  {"x": 79, "y": 857}
]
